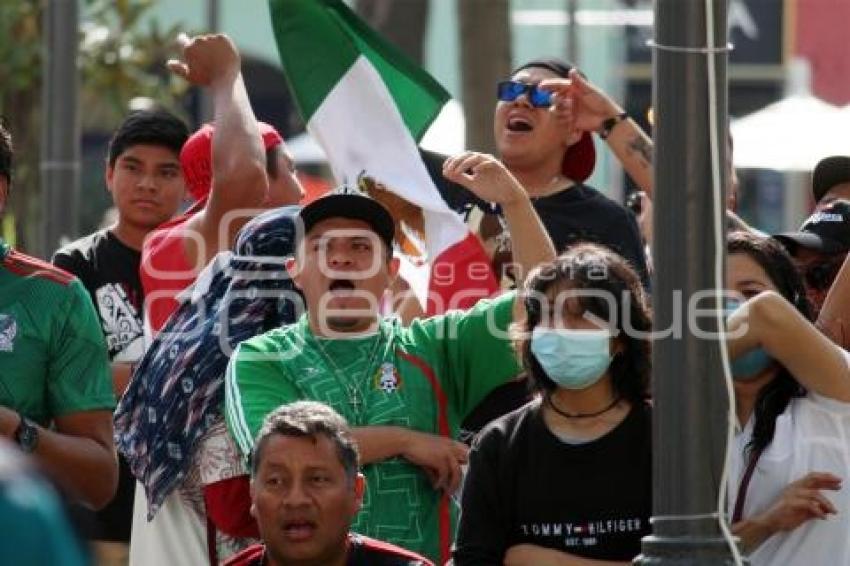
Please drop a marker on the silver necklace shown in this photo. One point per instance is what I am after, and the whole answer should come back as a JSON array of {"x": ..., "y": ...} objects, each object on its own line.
[
  {"x": 556, "y": 185},
  {"x": 356, "y": 397}
]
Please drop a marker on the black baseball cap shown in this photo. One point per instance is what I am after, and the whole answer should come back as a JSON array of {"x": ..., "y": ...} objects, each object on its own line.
[
  {"x": 348, "y": 202},
  {"x": 826, "y": 231},
  {"x": 830, "y": 171}
]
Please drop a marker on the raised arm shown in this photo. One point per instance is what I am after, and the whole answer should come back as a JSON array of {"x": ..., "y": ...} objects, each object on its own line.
[
  {"x": 585, "y": 103},
  {"x": 490, "y": 180},
  {"x": 835, "y": 314},
  {"x": 239, "y": 178},
  {"x": 769, "y": 321}
]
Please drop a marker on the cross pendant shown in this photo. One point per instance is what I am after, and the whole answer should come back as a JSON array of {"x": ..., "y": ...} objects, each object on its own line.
[{"x": 354, "y": 399}]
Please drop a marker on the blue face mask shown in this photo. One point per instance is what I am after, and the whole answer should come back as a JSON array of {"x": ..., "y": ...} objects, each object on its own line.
[
  {"x": 749, "y": 366},
  {"x": 573, "y": 359}
]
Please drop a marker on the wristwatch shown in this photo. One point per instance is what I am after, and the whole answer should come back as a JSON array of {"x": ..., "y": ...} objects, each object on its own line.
[{"x": 26, "y": 435}]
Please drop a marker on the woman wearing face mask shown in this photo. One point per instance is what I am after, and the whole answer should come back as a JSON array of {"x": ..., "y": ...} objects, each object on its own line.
[
  {"x": 792, "y": 399},
  {"x": 544, "y": 136},
  {"x": 567, "y": 477}
]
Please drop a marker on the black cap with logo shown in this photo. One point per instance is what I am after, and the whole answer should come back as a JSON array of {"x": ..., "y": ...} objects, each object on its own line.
[
  {"x": 826, "y": 231},
  {"x": 349, "y": 202}
]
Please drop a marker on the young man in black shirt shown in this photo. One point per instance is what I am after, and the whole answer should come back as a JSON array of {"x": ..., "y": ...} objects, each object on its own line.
[{"x": 144, "y": 178}]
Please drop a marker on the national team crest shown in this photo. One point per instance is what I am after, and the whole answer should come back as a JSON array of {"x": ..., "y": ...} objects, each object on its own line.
[
  {"x": 387, "y": 379},
  {"x": 8, "y": 331}
]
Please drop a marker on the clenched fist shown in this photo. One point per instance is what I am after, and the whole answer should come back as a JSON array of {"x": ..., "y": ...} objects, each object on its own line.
[{"x": 206, "y": 59}]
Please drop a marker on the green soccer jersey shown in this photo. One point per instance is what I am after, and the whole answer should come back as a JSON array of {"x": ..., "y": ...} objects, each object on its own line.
[
  {"x": 53, "y": 357},
  {"x": 426, "y": 377}
]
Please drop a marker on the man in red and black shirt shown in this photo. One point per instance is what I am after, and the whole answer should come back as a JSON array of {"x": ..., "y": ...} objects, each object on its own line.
[{"x": 306, "y": 491}]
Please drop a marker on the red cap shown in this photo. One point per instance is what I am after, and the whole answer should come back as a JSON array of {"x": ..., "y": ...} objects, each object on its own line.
[
  {"x": 580, "y": 159},
  {"x": 196, "y": 157}
]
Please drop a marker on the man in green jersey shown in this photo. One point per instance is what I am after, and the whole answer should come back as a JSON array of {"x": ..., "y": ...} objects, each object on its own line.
[
  {"x": 405, "y": 390},
  {"x": 56, "y": 397}
]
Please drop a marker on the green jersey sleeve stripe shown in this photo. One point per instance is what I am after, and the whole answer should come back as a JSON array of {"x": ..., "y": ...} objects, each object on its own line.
[{"x": 233, "y": 406}]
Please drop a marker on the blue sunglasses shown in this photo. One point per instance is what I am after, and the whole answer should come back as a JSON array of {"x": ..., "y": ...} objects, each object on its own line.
[{"x": 508, "y": 91}]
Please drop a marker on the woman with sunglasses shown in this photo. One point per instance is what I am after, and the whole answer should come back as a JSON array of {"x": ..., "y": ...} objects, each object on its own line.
[
  {"x": 792, "y": 400},
  {"x": 567, "y": 479}
]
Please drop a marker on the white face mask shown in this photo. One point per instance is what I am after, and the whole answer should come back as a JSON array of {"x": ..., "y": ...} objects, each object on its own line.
[{"x": 573, "y": 359}]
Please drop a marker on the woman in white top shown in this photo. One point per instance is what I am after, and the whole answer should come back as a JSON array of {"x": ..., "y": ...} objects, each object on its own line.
[{"x": 792, "y": 397}]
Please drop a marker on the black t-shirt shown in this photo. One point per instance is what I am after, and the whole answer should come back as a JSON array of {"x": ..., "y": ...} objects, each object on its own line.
[
  {"x": 580, "y": 213},
  {"x": 583, "y": 214},
  {"x": 505, "y": 398},
  {"x": 526, "y": 486},
  {"x": 109, "y": 269}
]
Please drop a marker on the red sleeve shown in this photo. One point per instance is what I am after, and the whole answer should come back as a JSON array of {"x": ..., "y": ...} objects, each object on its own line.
[
  {"x": 228, "y": 505},
  {"x": 165, "y": 270}
]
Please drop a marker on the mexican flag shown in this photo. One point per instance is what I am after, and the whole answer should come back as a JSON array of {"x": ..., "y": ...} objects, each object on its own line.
[{"x": 368, "y": 106}]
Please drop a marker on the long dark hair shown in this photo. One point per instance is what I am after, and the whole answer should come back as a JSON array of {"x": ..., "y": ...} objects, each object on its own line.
[
  {"x": 773, "y": 397},
  {"x": 597, "y": 268}
]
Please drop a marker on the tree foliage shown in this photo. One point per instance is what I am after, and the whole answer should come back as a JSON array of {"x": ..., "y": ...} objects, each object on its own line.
[
  {"x": 121, "y": 58},
  {"x": 121, "y": 61}
]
